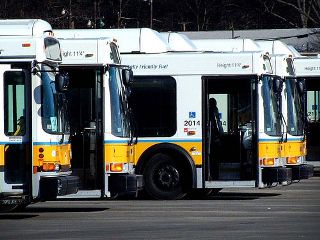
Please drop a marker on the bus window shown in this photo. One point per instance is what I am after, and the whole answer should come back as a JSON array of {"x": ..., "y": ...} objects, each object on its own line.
[
  {"x": 271, "y": 116},
  {"x": 155, "y": 106},
  {"x": 14, "y": 111}
]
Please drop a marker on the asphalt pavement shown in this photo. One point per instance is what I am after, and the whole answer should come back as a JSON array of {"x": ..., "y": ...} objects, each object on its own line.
[{"x": 285, "y": 212}]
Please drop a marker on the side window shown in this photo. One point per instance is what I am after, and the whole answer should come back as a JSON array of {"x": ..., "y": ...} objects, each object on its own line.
[
  {"x": 154, "y": 104},
  {"x": 14, "y": 103},
  {"x": 313, "y": 106}
]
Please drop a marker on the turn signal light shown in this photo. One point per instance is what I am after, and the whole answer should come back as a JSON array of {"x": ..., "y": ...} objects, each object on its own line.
[
  {"x": 292, "y": 160},
  {"x": 116, "y": 167},
  {"x": 268, "y": 162},
  {"x": 48, "y": 167}
]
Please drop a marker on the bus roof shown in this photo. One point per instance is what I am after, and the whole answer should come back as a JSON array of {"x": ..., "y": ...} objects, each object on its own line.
[
  {"x": 226, "y": 45},
  {"x": 24, "y": 27},
  {"x": 178, "y": 41},
  {"x": 275, "y": 47},
  {"x": 141, "y": 40},
  {"x": 24, "y": 40},
  {"x": 303, "y": 66}
]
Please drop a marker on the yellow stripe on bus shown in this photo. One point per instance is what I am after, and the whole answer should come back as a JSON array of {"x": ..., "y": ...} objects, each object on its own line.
[
  {"x": 294, "y": 149},
  {"x": 2, "y": 155},
  {"x": 269, "y": 150},
  {"x": 194, "y": 149},
  {"x": 52, "y": 154}
]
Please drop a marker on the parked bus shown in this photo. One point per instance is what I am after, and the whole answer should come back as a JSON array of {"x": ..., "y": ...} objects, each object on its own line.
[
  {"x": 184, "y": 142},
  {"x": 101, "y": 123},
  {"x": 294, "y": 107},
  {"x": 293, "y": 143},
  {"x": 34, "y": 131},
  {"x": 308, "y": 69}
]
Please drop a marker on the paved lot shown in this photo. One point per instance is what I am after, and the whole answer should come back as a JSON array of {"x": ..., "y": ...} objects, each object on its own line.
[{"x": 291, "y": 212}]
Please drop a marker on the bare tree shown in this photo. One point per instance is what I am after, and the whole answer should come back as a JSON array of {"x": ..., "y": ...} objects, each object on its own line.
[{"x": 307, "y": 10}]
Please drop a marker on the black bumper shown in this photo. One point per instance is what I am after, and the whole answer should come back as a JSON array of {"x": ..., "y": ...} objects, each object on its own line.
[
  {"x": 276, "y": 175},
  {"x": 51, "y": 187},
  {"x": 303, "y": 171},
  {"x": 125, "y": 184}
]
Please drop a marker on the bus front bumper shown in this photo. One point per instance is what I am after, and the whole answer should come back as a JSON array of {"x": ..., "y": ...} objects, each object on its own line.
[
  {"x": 303, "y": 171},
  {"x": 276, "y": 175},
  {"x": 51, "y": 187},
  {"x": 125, "y": 184}
]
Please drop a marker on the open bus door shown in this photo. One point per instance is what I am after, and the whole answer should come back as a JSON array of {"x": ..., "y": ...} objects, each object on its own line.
[
  {"x": 15, "y": 135},
  {"x": 230, "y": 132}
]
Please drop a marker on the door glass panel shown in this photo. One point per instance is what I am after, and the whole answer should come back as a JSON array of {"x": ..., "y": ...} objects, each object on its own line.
[
  {"x": 14, "y": 125},
  {"x": 14, "y": 106}
]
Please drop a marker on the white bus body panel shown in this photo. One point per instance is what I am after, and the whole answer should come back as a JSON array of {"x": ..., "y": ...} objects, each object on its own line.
[
  {"x": 142, "y": 40},
  {"x": 178, "y": 42},
  {"x": 86, "y": 51},
  {"x": 24, "y": 27},
  {"x": 226, "y": 45}
]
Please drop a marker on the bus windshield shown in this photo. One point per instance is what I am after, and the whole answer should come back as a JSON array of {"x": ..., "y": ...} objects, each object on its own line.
[
  {"x": 295, "y": 109},
  {"x": 272, "y": 125},
  {"x": 120, "y": 121},
  {"x": 54, "y": 110}
]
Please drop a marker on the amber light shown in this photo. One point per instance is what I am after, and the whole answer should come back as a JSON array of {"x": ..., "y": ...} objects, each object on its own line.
[
  {"x": 48, "y": 167},
  {"x": 268, "y": 161},
  {"x": 116, "y": 167},
  {"x": 292, "y": 160}
]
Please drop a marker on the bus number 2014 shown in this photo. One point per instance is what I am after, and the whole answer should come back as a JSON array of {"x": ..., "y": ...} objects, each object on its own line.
[{"x": 189, "y": 123}]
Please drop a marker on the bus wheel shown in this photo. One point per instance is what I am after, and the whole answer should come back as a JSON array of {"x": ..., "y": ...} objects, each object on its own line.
[{"x": 164, "y": 178}]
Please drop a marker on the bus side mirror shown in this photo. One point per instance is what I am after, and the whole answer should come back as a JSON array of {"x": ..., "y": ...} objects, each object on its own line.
[
  {"x": 62, "y": 82},
  {"x": 277, "y": 85},
  {"x": 301, "y": 86},
  {"x": 127, "y": 76}
]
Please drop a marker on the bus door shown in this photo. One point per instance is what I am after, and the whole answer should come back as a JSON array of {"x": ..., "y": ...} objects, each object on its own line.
[
  {"x": 230, "y": 150},
  {"x": 15, "y": 134},
  {"x": 313, "y": 117},
  {"x": 85, "y": 114}
]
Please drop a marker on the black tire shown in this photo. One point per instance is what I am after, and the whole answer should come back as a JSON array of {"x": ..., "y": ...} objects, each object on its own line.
[{"x": 164, "y": 178}]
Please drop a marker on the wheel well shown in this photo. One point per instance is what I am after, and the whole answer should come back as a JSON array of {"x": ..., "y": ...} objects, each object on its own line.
[{"x": 179, "y": 154}]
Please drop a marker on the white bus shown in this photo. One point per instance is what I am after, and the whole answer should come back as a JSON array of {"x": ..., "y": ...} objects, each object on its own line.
[
  {"x": 35, "y": 151},
  {"x": 293, "y": 142},
  {"x": 294, "y": 107},
  {"x": 184, "y": 143},
  {"x": 308, "y": 68},
  {"x": 102, "y": 131}
]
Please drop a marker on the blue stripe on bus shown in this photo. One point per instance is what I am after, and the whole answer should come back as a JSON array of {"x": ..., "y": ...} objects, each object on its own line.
[
  {"x": 49, "y": 143},
  {"x": 277, "y": 140},
  {"x": 154, "y": 140},
  {"x": 36, "y": 143}
]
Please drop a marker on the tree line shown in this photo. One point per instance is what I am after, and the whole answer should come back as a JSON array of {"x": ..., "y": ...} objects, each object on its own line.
[{"x": 168, "y": 15}]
